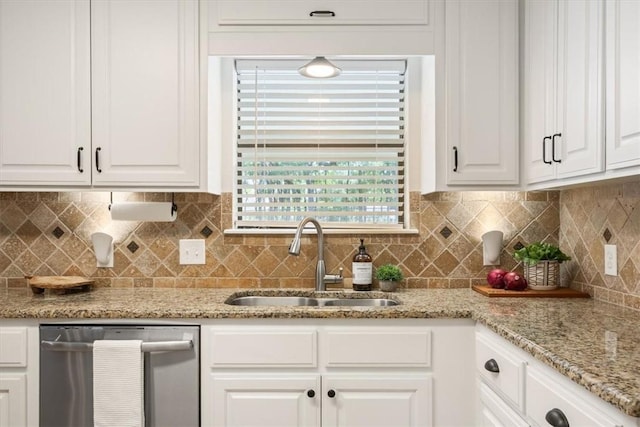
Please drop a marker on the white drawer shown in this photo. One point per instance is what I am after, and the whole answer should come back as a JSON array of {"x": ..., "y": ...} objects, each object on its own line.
[
  {"x": 13, "y": 347},
  {"x": 494, "y": 411},
  {"x": 509, "y": 380},
  {"x": 267, "y": 347},
  {"x": 545, "y": 394},
  {"x": 339, "y": 12},
  {"x": 376, "y": 347}
]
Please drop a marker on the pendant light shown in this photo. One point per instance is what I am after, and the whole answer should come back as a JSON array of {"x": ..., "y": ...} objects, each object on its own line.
[{"x": 319, "y": 68}]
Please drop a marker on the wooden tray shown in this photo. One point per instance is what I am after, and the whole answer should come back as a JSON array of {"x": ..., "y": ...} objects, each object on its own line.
[
  {"x": 554, "y": 293},
  {"x": 59, "y": 284}
]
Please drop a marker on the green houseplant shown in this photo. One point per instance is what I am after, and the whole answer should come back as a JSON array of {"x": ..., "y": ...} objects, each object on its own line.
[
  {"x": 541, "y": 264},
  {"x": 389, "y": 276}
]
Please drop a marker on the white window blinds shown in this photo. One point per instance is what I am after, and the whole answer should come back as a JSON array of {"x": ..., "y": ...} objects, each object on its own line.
[{"x": 328, "y": 148}]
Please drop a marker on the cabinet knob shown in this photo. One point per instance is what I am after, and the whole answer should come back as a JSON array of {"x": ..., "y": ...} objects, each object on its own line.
[
  {"x": 311, "y": 393},
  {"x": 331, "y": 393},
  {"x": 556, "y": 418},
  {"x": 492, "y": 366}
]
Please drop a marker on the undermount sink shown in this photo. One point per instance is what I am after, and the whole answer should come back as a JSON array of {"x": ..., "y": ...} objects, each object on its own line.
[
  {"x": 293, "y": 301},
  {"x": 274, "y": 300},
  {"x": 359, "y": 302}
]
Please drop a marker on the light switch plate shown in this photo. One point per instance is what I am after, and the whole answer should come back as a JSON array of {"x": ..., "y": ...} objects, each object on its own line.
[
  {"x": 192, "y": 251},
  {"x": 610, "y": 260}
]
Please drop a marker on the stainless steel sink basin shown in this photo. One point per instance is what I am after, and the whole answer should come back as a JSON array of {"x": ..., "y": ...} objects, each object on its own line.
[
  {"x": 360, "y": 302},
  {"x": 293, "y": 301},
  {"x": 273, "y": 301}
]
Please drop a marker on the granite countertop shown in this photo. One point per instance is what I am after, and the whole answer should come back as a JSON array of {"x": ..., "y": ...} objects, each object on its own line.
[{"x": 570, "y": 335}]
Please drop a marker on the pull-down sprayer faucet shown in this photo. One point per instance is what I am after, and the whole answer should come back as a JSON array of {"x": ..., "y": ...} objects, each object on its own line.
[{"x": 294, "y": 249}]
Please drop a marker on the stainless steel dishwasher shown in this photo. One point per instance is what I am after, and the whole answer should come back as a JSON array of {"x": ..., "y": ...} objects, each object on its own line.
[{"x": 171, "y": 372}]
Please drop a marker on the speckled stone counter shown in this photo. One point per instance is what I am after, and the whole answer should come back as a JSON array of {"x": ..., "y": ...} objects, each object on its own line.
[{"x": 566, "y": 334}]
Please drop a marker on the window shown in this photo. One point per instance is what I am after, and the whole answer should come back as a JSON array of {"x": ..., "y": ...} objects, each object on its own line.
[{"x": 328, "y": 148}]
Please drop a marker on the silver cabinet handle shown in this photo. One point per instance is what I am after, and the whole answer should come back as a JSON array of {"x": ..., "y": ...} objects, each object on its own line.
[{"x": 146, "y": 347}]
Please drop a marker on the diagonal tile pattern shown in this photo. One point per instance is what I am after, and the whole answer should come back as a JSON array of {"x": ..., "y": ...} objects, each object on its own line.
[
  {"x": 591, "y": 217},
  {"x": 445, "y": 253}
]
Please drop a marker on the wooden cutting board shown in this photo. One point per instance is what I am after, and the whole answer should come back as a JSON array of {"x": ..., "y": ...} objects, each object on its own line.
[
  {"x": 554, "y": 293},
  {"x": 59, "y": 284}
]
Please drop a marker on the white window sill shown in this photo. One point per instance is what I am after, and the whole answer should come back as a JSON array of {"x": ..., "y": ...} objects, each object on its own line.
[{"x": 289, "y": 231}]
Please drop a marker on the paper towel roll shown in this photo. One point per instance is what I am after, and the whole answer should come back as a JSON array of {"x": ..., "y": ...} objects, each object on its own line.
[{"x": 143, "y": 211}]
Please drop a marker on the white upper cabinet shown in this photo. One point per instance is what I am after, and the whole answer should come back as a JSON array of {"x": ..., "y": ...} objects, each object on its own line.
[
  {"x": 145, "y": 92},
  {"x": 325, "y": 12},
  {"x": 45, "y": 92},
  {"x": 481, "y": 92},
  {"x": 101, "y": 93},
  {"x": 623, "y": 83},
  {"x": 563, "y": 89},
  {"x": 320, "y": 27}
]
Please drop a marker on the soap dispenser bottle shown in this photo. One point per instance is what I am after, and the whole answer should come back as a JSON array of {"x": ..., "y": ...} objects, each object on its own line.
[{"x": 362, "y": 268}]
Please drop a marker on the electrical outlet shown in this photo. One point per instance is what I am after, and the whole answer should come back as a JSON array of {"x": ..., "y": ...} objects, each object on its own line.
[
  {"x": 192, "y": 251},
  {"x": 610, "y": 260}
]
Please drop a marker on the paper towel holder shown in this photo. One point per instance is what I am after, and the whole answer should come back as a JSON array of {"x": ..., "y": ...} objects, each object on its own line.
[
  {"x": 491, "y": 247},
  {"x": 174, "y": 207},
  {"x": 103, "y": 248}
]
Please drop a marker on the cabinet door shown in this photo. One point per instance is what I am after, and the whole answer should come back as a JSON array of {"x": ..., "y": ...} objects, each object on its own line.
[
  {"x": 145, "y": 92},
  {"x": 261, "y": 401},
  {"x": 580, "y": 120},
  {"x": 13, "y": 400},
  {"x": 623, "y": 83},
  {"x": 494, "y": 412},
  {"x": 539, "y": 88},
  {"x": 376, "y": 401},
  {"x": 45, "y": 128},
  {"x": 482, "y": 91}
]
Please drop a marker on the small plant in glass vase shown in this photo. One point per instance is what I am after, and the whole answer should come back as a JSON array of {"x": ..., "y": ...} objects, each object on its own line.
[
  {"x": 541, "y": 264},
  {"x": 389, "y": 276}
]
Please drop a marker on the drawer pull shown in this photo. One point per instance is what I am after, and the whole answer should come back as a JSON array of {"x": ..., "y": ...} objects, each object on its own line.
[
  {"x": 331, "y": 393},
  {"x": 556, "y": 418},
  {"x": 492, "y": 366},
  {"x": 322, "y": 14},
  {"x": 311, "y": 393}
]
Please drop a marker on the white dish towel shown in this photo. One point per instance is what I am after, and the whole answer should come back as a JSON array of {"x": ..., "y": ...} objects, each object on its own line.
[{"x": 118, "y": 383}]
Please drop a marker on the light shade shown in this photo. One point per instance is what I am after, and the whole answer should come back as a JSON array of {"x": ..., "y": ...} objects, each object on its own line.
[
  {"x": 319, "y": 68},
  {"x": 491, "y": 247},
  {"x": 103, "y": 248}
]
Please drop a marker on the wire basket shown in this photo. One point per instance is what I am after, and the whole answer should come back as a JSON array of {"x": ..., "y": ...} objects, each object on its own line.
[{"x": 542, "y": 276}]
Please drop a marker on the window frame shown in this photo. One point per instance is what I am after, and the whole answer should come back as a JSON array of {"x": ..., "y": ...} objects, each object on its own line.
[{"x": 223, "y": 122}]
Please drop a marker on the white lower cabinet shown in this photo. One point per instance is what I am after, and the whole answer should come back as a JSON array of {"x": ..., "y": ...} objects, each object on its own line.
[
  {"x": 19, "y": 369},
  {"x": 515, "y": 389},
  {"x": 494, "y": 412},
  {"x": 13, "y": 400},
  {"x": 265, "y": 401},
  {"x": 376, "y": 400},
  {"x": 331, "y": 373},
  {"x": 549, "y": 402}
]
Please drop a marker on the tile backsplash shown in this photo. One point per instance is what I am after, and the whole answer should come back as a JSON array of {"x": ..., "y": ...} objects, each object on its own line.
[
  {"x": 49, "y": 234},
  {"x": 591, "y": 217}
]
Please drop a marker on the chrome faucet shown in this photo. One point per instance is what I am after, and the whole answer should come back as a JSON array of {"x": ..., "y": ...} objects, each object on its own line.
[{"x": 294, "y": 249}]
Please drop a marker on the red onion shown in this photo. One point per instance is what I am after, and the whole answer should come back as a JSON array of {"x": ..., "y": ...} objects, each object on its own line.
[{"x": 495, "y": 278}]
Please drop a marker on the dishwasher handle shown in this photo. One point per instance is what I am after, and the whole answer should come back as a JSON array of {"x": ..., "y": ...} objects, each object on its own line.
[{"x": 146, "y": 347}]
